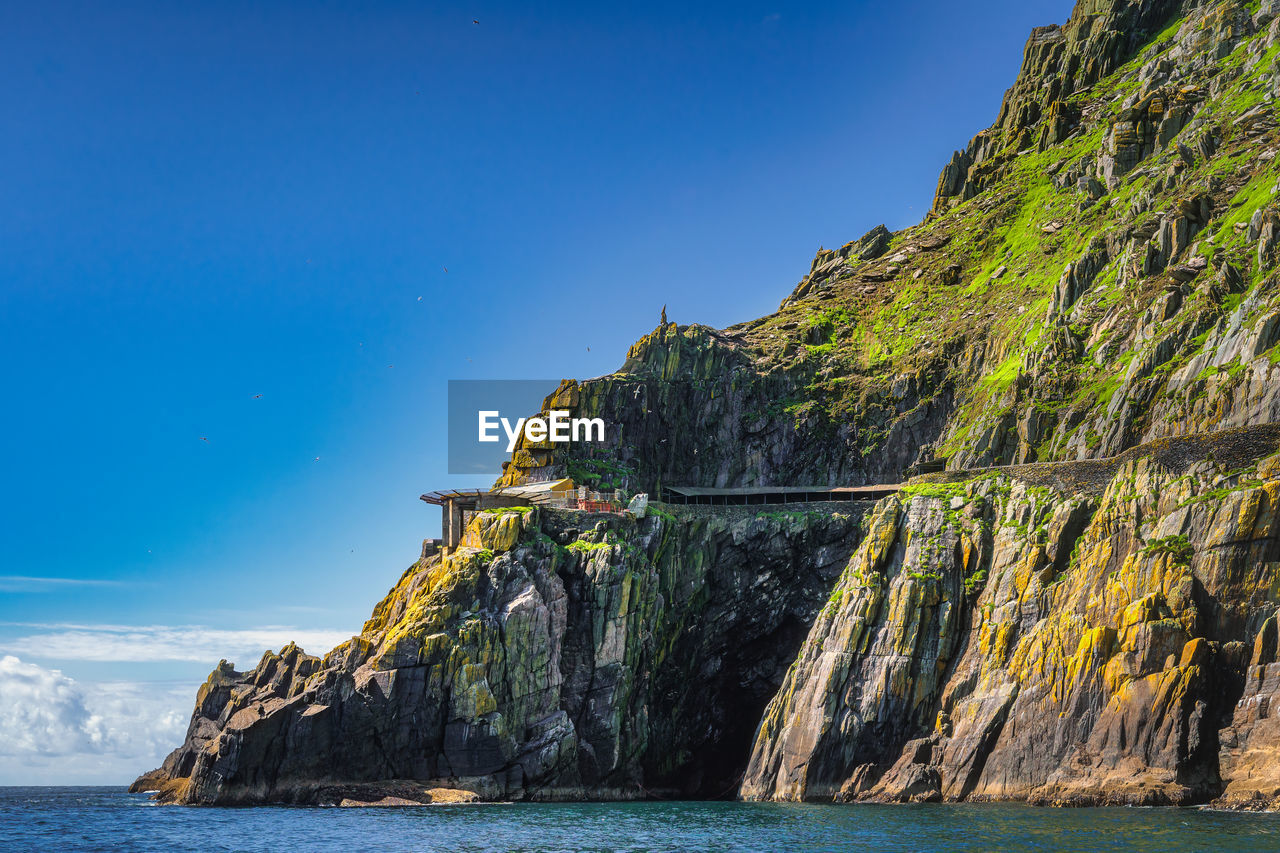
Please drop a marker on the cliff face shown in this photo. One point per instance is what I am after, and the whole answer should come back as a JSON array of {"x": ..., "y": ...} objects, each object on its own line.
[
  {"x": 1058, "y": 63},
  {"x": 694, "y": 406},
  {"x": 543, "y": 659},
  {"x": 1092, "y": 296},
  {"x": 1098, "y": 272},
  {"x": 999, "y": 639}
]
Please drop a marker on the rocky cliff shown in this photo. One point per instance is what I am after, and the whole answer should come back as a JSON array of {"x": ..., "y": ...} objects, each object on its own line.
[
  {"x": 1090, "y": 303},
  {"x": 1004, "y": 637},
  {"x": 1097, "y": 271},
  {"x": 554, "y": 655}
]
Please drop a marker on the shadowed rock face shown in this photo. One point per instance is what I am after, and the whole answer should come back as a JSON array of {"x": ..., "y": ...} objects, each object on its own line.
[
  {"x": 545, "y": 661},
  {"x": 1250, "y": 745},
  {"x": 693, "y": 406},
  {"x": 991, "y": 639}
]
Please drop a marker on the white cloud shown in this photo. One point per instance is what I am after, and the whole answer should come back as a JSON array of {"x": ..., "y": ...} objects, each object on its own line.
[
  {"x": 56, "y": 730},
  {"x": 29, "y": 583},
  {"x": 152, "y": 643}
]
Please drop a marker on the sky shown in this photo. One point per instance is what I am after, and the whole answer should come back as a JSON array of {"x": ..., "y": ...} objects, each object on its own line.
[{"x": 243, "y": 248}]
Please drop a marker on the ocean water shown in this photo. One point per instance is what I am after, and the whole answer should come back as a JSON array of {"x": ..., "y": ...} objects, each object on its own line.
[{"x": 77, "y": 819}]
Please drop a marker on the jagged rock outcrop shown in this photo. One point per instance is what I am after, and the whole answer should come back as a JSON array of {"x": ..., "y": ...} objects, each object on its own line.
[
  {"x": 543, "y": 660},
  {"x": 829, "y": 262},
  {"x": 999, "y": 639},
  {"x": 691, "y": 406},
  {"x": 1064, "y": 306},
  {"x": 1249, "y": 756},
  {"x": 1057, "y": 63}
]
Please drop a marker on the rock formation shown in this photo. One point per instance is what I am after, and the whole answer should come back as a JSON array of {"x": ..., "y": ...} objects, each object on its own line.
[
  {"x": 542, "y": 659},
  {"x": 1091, "y": 306},
  {"x": 999, "y": 638}
]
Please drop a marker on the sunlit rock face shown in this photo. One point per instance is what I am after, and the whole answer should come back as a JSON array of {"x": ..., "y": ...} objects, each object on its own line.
[{"x": 999, "y": 638}]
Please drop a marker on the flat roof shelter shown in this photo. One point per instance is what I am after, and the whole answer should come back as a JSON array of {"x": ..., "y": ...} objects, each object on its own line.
[
  {"x": 867, "y": 493},
  {"x": 546, "y": 492},
  {"x": 764, "y": 495},
  {"x": 455, "y": 503}
]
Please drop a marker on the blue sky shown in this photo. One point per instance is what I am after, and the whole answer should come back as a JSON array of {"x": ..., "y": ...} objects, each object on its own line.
[{"x": 208, "y": 202}]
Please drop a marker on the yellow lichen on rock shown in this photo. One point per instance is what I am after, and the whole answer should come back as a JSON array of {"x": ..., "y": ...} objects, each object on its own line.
[{"x": 496, "y": 531}]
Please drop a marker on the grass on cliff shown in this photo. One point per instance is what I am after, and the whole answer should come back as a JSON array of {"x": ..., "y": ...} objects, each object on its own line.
[
  {"x": 1177, "y": 547},
  {"x": 581, "y": 546},
  {"x": 971, "y": 315}
]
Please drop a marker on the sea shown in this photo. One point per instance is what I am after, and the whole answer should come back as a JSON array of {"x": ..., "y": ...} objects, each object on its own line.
[{"x": 81, "y": 819}]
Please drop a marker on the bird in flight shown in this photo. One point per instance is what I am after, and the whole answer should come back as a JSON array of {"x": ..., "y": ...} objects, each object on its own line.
[
  {"x": 446, "y": 269},
  {"x": 389, "y": 366},
  {"x": 474, "y": 21},
  {"x": 257, "y": 396},
  {"x": 317, "y": 459},
  {"x": 419, "y": 298},
  {"x": 202, "y": 438}
]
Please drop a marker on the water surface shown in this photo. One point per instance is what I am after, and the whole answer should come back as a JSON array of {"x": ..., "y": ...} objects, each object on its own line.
[{"x": 83, "y": 819}]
